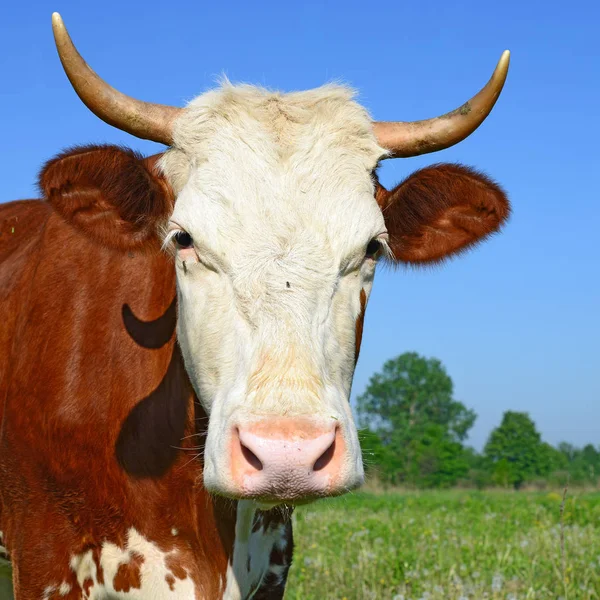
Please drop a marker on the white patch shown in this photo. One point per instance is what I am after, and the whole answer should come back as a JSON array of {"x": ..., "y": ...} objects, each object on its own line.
[
  {"x": 48, "y": 591},
  {"x": 174, "y": 531},
  {"x": 276, "y": 192},
  {"x": 252, "y": 549},
  {"x": 64, "y": 588},
  {"x": 153, "y": 572}
]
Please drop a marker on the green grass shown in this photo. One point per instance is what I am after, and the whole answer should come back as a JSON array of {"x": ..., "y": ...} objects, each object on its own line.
[
  {"x": 443, "y": 545},
  {"x": 447, "y": 545},
  {"x": 5, "y": 580}
]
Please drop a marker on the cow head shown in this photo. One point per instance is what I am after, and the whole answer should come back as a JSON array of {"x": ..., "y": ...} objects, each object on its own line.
[{"x": 270, "y": 205}]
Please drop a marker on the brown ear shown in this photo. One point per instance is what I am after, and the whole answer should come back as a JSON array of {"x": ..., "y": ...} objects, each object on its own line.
[
  {"x": 441, "y": 210},
  {"x": 112, "y": 194}
]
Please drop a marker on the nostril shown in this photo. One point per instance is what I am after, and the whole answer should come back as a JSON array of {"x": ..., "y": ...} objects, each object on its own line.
[
  {"x": 325, "y": 458},
  {"x": 251, "y": 458}
]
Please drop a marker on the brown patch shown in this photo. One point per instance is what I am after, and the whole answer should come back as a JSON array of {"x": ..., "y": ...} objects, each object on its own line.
[
  {"x": 129, "y": 574},
  {"x": 65, "y": 396},
  {"x": 172, "y": 563},
  {"x": 99, "y": 569},
  {"x": 111, "y": 193},
  {"x": 441, "y": 210},
  {"x": 360, "y": 320},
  {"x": 87, "y": 586},
  {"x": 170, "y": 581}
]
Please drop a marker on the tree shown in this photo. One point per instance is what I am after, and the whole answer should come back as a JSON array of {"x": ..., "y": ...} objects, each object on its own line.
[
  {"x": 568, "y": 451},
  {"x": 479, "y": 473},
  {"x": 552, "y": 459},
  {"x": 410, "y": 407},
  {"x": 439, "y": 461},
  {"x": 590, "y": 458},
  {"x": 374, "y": 453},
  {"x": 516, "y": 451},
  {"x": 581, "y": 464}
]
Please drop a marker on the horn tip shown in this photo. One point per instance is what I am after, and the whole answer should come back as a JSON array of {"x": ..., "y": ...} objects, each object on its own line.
[
  {"x": 501, "y": 70},
  {"x": 57, "y": 22}
]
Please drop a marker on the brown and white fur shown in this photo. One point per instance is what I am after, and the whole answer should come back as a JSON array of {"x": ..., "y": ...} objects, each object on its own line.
[{"x": 117, "y": 444}]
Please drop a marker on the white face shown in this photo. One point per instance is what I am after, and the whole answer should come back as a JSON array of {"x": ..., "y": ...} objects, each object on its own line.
[{"x": 277, "y": 195}]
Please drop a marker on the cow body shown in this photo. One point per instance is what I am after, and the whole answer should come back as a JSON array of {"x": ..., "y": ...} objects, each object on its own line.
[
  {"x": 133, "y": 465},
  {"x": 96, "y": 501}
]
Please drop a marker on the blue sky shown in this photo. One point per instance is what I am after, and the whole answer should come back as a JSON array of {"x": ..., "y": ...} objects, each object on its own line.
[{"x": 516, "y": 322}]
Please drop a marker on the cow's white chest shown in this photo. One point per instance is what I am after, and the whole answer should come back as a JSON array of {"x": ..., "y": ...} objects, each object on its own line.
[
  {"x": 138, "y": 571},
  {"x": 254, "y": 544}
]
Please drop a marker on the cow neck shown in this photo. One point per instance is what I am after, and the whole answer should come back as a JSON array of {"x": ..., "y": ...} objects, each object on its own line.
[{"x": 262, "y": 552}]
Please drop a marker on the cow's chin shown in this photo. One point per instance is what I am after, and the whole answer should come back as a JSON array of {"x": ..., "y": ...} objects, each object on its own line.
[
  {"x": 288, "y": 497},
  {"x": 283, "y": 460}
]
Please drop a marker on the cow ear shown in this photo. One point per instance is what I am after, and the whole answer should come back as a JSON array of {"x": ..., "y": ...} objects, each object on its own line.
[
  {"x": 112, "y": 194},
  {"x": 440, "y": 211}
]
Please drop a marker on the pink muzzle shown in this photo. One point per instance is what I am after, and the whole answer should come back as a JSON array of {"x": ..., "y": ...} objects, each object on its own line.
[{"x": 286, "y": 459}]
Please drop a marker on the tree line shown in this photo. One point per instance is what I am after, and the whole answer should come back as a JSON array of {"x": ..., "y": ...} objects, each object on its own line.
[{"x": 413, "y": 433}]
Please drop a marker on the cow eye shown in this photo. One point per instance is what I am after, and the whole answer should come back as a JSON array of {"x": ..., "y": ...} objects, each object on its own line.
[
  {"x": 183, "y": 240},
  {"x": 373, "y": 248}
]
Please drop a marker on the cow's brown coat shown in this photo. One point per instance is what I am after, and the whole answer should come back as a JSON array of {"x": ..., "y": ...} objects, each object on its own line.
[{"x": 93, "y": 394}]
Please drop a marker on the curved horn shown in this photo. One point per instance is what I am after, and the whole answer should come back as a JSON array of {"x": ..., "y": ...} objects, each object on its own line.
[
  {"x": 142, "y": 119},
  {"x": 405, "y": 139}
]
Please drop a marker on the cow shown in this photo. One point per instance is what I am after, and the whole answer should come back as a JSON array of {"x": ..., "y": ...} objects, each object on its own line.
[{"x": 179, "y": 332}]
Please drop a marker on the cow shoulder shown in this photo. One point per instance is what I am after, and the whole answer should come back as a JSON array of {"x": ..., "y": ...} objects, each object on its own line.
[
  {"x": 21, "y": 227},
  {"x": 113, "y": 194}
]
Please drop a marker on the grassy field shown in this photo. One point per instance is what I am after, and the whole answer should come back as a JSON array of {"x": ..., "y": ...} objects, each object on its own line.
[
  {"x": 447, "y": 545},
  {"x": 5, "y": 582},
  {"x": 444, "y": 545}
]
